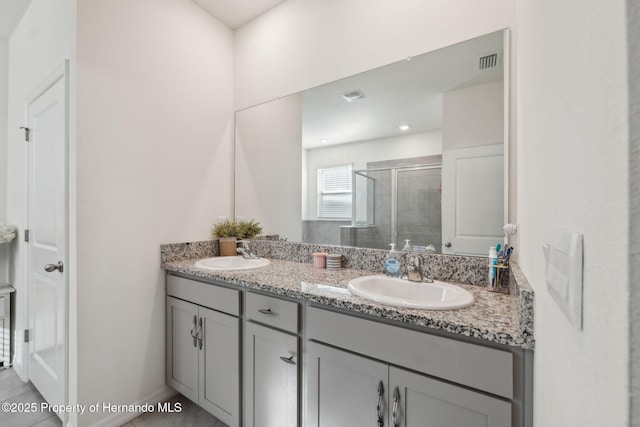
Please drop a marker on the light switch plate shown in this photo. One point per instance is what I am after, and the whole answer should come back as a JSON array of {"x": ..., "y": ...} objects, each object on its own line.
[{"x": 563, "y": 255}]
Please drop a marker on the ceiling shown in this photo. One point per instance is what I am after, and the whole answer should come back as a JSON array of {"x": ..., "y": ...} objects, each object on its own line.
[
  {"x": 406, "y": 92},
  {"x": 10, "y": 13},
  {"x": 235, "y": 13}
]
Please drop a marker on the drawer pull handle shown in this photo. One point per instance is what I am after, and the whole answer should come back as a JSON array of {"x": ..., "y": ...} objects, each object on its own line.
[
  {"x": 265, "y": 311},
  {"x": 288, "y": 360},
  {"x": 200, "y": 333},
  {"x": 194, "y": 333},
  {"x": 396, "y": 399},
  {"x": 379, "y": 406}
]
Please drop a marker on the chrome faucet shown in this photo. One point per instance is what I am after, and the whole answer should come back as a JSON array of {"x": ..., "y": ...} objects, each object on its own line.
[
  {"x": 413, "y": 269},
  {"x": 414, "y": 273},
  {"x": 245, "y": 250}
]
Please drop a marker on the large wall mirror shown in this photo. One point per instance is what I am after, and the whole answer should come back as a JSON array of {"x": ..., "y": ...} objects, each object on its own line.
[{"x": 414, "y": 150}]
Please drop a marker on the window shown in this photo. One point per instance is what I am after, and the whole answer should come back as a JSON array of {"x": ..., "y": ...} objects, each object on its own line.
[{"x": 334, "y": 193}]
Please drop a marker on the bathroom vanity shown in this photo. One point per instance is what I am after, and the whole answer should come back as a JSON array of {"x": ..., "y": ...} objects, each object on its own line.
[{"x": 288, "y": 345}]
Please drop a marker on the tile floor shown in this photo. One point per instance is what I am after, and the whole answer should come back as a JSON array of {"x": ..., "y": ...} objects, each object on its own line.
[
  {"x": 190, "y": 416},
  {"x": 13, "y": 390}
]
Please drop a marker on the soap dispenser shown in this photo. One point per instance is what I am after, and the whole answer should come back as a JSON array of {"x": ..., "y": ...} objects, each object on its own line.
[{"x": 392, "y": 262}]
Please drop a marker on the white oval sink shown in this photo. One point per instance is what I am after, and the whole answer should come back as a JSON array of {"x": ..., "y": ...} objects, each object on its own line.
[
  {"x": 231, "y": 263},
  {"x": 403, "y": 293}
]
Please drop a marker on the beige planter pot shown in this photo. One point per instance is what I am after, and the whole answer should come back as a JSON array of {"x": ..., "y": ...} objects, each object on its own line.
[{"x": 228, "y": 246}]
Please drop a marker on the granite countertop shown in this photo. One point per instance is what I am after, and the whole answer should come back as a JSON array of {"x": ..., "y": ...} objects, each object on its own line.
[{"x": 493, "y": 317}]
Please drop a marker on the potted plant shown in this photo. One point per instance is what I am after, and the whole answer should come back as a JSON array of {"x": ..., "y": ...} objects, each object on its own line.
[
  {"x": 227, "y": 234},
  {"x": 249, "y": 229}
]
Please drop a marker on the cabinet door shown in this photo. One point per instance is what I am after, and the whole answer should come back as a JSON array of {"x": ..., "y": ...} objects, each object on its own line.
[
  {"x": 343, "y": 390},
  {"x": 220, "y": 366},
  {"x": 181, "y": 348},
  {"x": 270, "y": 378},
  {"x": 426, "y": 402}
]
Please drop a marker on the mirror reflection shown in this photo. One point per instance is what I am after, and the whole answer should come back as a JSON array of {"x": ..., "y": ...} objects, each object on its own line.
[{"x": 411, "y": 153}]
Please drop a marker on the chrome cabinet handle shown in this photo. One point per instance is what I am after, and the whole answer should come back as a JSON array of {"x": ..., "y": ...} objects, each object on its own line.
[
  {"x": 288, "y": 360},
  {"x": 200, "y": 332},
  {"x": 194, "y": 332},
  {"x": 265, "y": 311},
  {"x": 50, "y": 268},
  {"x": 396, "y": 399},
  {"x": 379, "y": 406}
]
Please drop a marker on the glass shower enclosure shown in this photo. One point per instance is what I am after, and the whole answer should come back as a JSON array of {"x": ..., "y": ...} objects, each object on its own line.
[{"x": 393, "y": 204}]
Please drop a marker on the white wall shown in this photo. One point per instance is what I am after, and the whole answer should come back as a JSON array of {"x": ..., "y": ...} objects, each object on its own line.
[
  {"x": 633, "y": 39},
  {"x": 359, "y": 154},
  {"x": 473, "y": 116},
  {"x": 155, "y": 165},
  {"x": 4, "y": 104},
  {"x": 268, "y": 166},
  {"x": 42, "y": 40},
  {"x": 573, "y": 154},
  {"x": 304, "y": 43}
]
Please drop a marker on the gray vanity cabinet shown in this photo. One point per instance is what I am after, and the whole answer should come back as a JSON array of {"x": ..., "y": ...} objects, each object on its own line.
[
  {"x": 348, "y": 390},
  {"x": 271, "y": 362},
  {"x": 421, "y": 401},
  {"x": 344, "y": 389},
  {"x": 182, "y": 352},
  {"x": 271, "y": 378},
  {"x": 427, "y": 380},
  {"x": 203, "y": 346}
]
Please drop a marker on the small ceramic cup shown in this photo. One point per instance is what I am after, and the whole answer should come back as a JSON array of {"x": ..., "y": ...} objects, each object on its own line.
[{"x": 320, "y": 259}]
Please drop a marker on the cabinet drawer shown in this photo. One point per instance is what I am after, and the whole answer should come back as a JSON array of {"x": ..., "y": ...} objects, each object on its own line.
[
  {"x": 205, "y": 294},
  {"x": 273, "y": 312},
  {"x": 475, "y": 366}
]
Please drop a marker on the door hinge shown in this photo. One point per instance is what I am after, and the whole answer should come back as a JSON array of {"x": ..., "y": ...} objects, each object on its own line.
[
  {"x": 27, "y": 335},
  {"x": 26, "y": 235},
  {"x": 27, "y": 131}
]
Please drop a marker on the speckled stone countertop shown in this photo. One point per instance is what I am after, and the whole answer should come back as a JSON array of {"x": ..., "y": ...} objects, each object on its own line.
[{"x": 493, "y": 317}]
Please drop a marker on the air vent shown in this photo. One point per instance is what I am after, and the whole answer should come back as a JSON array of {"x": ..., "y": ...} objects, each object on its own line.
[
  {"x": 488, "y": 61},
  {"x": 353, "y": 95}
]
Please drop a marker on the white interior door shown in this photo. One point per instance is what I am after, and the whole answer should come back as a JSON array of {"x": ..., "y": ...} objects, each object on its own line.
[
  {"x": 472, "y": 199},
  {"x": 47, "y": 246}
]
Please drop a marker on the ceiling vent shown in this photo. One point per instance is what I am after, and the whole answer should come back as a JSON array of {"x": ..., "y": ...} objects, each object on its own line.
[
  {"x": 353, "y": 95},
  {"x": 488, "y": 61}
]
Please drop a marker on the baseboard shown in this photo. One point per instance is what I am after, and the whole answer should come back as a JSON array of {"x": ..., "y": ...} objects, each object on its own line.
[{"x": 116, "y": 420}]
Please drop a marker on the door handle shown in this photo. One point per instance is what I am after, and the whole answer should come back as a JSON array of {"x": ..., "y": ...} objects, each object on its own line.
[
  {"x": 50, "y": 268},
  {"x": 288, "y": 360},
  {"x": 447, "y": 244}
]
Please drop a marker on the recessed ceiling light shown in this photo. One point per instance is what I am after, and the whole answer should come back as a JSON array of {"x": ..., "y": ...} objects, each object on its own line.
[
  {"x": 404, "y": 127},
  {"x": 324, "y": 141}
]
